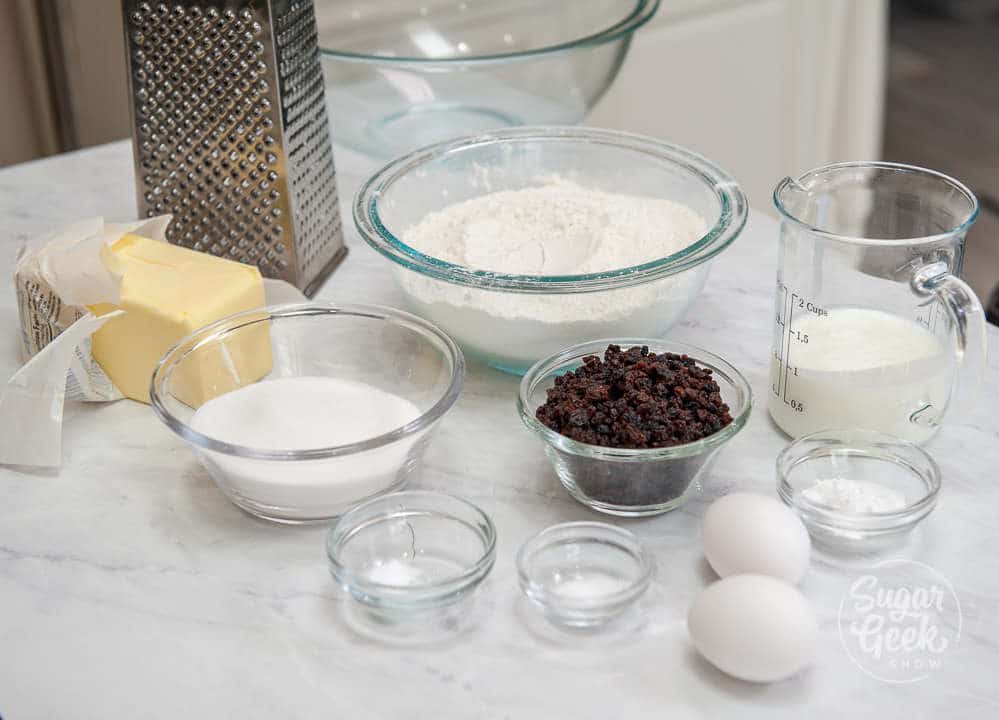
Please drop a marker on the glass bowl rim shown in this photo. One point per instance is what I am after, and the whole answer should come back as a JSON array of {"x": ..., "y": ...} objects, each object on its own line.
[
  {"x": 866, "y": 443},
  {"x": 346, "y": 526},
  {"x": 585, "y": 530},
  {"x": 726, "y": 228},
  {"x": 644, "y": 10},
  {"x": 574, "y": 353},
  {"x": 220, "y": 328}
]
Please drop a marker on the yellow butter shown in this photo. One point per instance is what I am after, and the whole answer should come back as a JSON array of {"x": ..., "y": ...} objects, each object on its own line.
[{"x": 167, "y": 292}]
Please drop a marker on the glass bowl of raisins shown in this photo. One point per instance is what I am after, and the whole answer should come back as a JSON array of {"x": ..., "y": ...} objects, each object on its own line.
[{"x": 632, "y": 426}]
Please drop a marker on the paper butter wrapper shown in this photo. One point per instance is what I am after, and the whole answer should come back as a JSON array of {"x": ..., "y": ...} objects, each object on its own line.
[{"x": 55, "y": 279}]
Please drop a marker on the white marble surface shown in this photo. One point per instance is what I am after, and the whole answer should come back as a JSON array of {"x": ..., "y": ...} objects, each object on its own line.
[{"x": 129, "y": 586}]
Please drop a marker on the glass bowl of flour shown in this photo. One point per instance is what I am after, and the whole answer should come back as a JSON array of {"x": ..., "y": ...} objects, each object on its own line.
[
  {"x": 300, "y": 412},
  {"x": 524, "y": 241}
]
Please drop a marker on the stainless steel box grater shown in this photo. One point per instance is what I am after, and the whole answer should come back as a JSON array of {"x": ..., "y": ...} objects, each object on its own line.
[{"x": 231, "y": 134}]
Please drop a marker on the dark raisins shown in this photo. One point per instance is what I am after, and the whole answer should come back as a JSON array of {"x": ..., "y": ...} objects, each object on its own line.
[{"x": 635, "y": 398}]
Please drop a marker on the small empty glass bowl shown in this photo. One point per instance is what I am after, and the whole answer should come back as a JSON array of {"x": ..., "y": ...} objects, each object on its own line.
[
  {"x": 411, "y": 554},
  {"x": 376, "y": 349},
  {"x": 857, "y": 490},
  {"x": 632, "y": 482},
  {"x": 511, "y": 321},
  {"x": 584, "y": 574},
  {"x": 401, "y": 74}
]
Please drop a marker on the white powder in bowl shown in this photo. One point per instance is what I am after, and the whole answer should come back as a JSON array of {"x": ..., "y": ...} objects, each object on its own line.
[
  {"x": 556, "y": 228},
  {"x": 395, "y": 572},
  {"x": 589, "y": 586},
  {"x": 856, "y": 496},
  {"x": 301, "y": 413}
]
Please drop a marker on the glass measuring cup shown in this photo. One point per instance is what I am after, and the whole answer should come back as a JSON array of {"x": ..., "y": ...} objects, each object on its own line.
[{"x": 873, "y": 325}]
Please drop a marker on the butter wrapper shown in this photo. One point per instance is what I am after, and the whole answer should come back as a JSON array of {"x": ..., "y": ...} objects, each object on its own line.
[{"x": 55, "y": 279}]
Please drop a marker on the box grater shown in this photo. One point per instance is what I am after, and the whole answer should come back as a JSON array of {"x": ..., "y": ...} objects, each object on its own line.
[{"x": 231, "y": 134}]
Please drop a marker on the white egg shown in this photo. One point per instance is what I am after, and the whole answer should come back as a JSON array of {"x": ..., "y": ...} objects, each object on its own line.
[
  {"x": 749, "y": 533},
  {"x": 753, "y": 627}
]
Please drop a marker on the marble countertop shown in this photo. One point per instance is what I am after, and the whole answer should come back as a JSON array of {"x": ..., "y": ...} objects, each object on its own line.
[{"x": 130, "y": 587}]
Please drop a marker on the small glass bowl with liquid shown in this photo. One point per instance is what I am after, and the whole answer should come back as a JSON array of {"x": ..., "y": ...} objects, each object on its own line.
[
  {"x": 584, "y": 574},
  {"x": 857, "y": 490}
]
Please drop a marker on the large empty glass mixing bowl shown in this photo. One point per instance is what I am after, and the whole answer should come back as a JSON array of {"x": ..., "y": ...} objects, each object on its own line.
[
  {"x": 401, "y": 73},
  {"x": 512, "y": 321}
]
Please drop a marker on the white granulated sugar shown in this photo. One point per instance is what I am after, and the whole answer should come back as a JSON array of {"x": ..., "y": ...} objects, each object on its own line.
[
  {"x": 555, "y": 228},
  {"x": 854, "y": 495},
  {"x": 302, "y": 413}
]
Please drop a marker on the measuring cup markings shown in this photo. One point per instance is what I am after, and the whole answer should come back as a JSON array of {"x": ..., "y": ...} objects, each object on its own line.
[{"x": 789, "y": 336}]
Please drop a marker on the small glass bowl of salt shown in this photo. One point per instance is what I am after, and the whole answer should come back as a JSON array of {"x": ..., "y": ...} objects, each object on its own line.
[
  {"x": 857, "y": 490},
  {"x": 582, "y": 575},
  {"x": 412, "y": 560}
]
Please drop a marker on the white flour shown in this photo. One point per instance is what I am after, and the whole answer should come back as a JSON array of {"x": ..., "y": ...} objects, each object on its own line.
[
  {"x": 557, "y": 228},
  {"x": 301, "y": 413},
  {"x": 854, "y": 495}
]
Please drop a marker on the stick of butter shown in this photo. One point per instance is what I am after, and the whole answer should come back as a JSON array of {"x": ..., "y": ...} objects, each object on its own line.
[{"x": 168, "y": 292}]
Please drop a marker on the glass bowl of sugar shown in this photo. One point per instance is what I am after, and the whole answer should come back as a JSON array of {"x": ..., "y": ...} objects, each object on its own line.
[
  {"x": 299, "y": 412},
  {"x": 858, "y": 491},
  {"x": 527, "y": 240}
]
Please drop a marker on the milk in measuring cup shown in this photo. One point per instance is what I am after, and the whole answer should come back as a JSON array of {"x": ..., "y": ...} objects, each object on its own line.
[{"x": 859, "y": 368}]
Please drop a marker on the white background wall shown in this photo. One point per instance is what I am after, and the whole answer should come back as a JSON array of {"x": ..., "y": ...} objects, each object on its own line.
[{"x": 765, "y": 88}]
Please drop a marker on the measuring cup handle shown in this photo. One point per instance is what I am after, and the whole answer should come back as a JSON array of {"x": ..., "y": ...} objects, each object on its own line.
[{"x": 968, "y": 319}]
